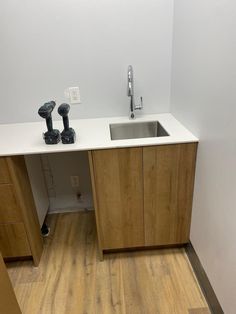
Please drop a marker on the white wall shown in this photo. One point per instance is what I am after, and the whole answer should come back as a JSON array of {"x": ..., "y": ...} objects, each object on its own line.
[
  {"x": 58, "y": 168},
  {"x": 204, "y": 99},
  {"x": 47, "y": 46}
]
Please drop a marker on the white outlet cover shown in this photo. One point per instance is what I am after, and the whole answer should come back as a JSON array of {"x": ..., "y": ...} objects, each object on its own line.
[
  {"x": 73, "y": 94},
  {"x": 74, "y": 181}
]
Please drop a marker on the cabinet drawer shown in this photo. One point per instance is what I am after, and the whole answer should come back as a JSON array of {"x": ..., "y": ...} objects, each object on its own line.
[
  {"x": 9, "y": 209},
  {"x": 4, "y": 172},
  {"x": 13, "y": 240}
]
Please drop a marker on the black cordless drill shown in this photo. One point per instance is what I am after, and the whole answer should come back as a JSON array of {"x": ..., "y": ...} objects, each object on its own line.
[
  {"x": 52, "y": 136},
  {"x": 68, "y": 134}
]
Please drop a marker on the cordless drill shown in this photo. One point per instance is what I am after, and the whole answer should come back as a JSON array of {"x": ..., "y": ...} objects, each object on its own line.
[
  {"x": 52, "y": 136},
  {"x": 68, "y": 134}
]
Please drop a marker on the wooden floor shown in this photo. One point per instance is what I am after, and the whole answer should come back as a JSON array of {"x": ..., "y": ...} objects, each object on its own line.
[{"x": 71, "y": 279}]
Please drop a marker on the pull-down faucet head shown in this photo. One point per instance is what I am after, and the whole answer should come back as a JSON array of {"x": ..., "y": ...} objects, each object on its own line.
[
  {"x": 130, "y": 93},
  {"x": 130, "y": 90}
]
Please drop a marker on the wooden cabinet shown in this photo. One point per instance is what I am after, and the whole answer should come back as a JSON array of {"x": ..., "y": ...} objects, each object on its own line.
[
  {"x": 168, "y": 189},
  {"x": 143, "y": 196},
  {"x": 9, "y": 208},
  {"x": 13, "y": 240},
  {"x": 20, "y": 234},
  {"x": 118, "y": 185},
  {"x": 4, "y": 172}
]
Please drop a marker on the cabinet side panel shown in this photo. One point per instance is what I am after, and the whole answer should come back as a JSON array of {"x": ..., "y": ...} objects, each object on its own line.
[
  {"x": 90, "y": 155},
  {"x": 4, "y": 172},
  {"x": 13, "y": 240},
  {"x": 119, "y": 191},
  {"x": 186, "y": 176},
  {"x": 9, "y": 208},
  {"x": 168, "y": 191},
  {"x": 38, "y": 185},
  {"x": 25, "y": 199}
]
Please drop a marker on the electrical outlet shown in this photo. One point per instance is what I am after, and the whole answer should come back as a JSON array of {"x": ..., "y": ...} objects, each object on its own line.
[
  {"x": 73, "y": 94},
  {"x": 80, "y": 197},
  {"x": 74, "y": 181}
]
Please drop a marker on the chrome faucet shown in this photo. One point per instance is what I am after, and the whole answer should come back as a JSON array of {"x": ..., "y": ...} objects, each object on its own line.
[{"x": 130, "y": 93}]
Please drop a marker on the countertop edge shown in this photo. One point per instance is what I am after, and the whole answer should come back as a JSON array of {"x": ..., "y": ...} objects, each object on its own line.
[{"x": 93, "y": 134}]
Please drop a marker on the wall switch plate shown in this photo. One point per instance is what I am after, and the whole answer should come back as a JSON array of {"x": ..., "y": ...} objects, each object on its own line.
[
  {"x": 74, "y": 181},
  {"x": 73, "y": 94}
]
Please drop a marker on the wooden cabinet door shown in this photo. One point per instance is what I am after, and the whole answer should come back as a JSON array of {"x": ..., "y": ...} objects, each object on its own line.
[
  {"x": 118, "y": 189},
  {"x": 168, "y": 190}
]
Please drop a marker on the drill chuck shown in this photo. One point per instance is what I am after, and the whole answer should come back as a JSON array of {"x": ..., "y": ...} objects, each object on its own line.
[
  {"x": 46, "y": 110},
  {"x": 52, "y": 136}
]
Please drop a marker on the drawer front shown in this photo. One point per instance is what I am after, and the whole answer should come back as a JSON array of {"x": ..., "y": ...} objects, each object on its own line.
[
  {"x": 4, "y": 172},
  {"x": 9, "y": 209},
  {"x": 13, "y": 240}
]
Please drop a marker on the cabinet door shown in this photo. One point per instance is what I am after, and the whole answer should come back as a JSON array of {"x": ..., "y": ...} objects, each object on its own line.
[
  {"x": 168, "y": 190},
  {"x": 118, "y": 185}
]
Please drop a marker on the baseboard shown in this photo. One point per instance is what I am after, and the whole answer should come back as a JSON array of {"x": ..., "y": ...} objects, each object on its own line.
[
  {"x": 69, "y": 210},
  {"x": 68, "y": 203},
  {"x": 203, "y": 280}
]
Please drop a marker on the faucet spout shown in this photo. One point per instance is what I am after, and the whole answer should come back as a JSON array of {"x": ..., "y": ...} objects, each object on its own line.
[{"x": 130, "y": 93}]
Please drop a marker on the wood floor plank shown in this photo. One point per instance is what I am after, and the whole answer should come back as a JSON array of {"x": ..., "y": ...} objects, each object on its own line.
[
  {"x": 203, "y": 310},
  {"x": 71, "y": 279}
]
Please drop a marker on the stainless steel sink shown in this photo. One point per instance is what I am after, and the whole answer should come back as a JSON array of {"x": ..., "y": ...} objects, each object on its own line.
[{"x": 122, "y": 131}]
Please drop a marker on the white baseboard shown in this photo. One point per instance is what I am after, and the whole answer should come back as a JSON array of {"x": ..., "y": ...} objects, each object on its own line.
[
  {"x": 70, "y": 203},
  {"x": 69, "y": 210}
]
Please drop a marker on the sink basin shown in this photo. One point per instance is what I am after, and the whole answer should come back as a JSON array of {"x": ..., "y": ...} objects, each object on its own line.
[{"x": 122, "y": 131}]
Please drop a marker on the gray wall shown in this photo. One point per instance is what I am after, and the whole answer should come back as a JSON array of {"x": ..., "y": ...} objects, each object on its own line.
[
  {"x": 204, "y": 100},
  {"x": 47, "y": 46}
]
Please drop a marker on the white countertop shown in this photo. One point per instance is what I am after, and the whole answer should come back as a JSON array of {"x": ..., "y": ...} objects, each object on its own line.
[{"x": 26, "y": 138}]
